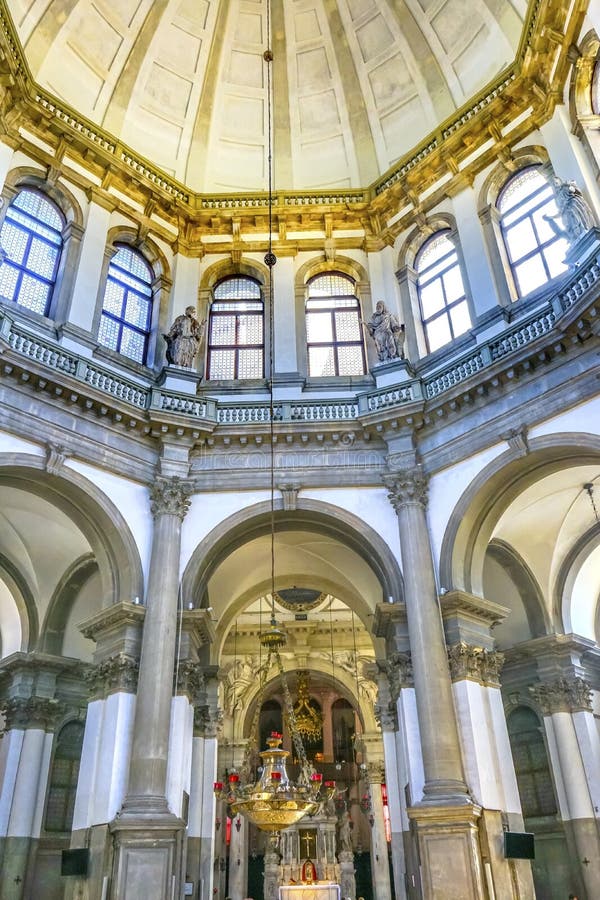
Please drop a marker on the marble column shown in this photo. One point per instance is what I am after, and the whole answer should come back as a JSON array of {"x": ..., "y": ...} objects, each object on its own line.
[
  {"x": 238, "y": 859},
  {"x": 147, "y": 833},
  {"x": 445, "y": 818},
  {"x": 26, "y": 750},
  {"x": 561, "y": 701},
  {"x": 379, "y": 852},
  {"x": 206, "y": 842}
]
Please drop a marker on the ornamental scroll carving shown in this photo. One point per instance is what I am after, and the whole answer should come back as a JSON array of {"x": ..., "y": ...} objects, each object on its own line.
[
  {"x": 31, "y": 712},
  {"x": 170, "y": 496},
  {"x": 407, "y": 487},
  {"x": 563, "y": 695},
  {"x": 475, "y": 663},
  {"x": 114, "y": 675}
]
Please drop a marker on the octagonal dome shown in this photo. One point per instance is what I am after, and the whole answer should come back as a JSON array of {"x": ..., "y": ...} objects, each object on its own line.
[{"x": 357, "y": 83}]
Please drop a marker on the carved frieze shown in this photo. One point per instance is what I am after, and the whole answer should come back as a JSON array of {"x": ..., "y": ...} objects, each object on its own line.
[
  {"x": 407, "y": 487},
  {"x": 563, "y": 695},
  {"x": 118, "y": 673},
  {"x": 475, "y": 663},
  {"x": 170, "y": 496},
  {"x": 31, "y": 712}
]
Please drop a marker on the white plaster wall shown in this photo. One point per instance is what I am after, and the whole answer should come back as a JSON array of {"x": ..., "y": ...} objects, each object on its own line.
[
  {"x": 209, "y": 510},
  {"x": 7, "y": 155},
  {"x": 446, "y": 489},
  {"x": 186, "y": 277},
  {"x": 88, "y": 602},
  {"x": 370, "y": 504},
  {"x": 130, "y": 498},
  {"x": 10, "y": 622},
  {"x": 583, "y": 418},
  {"x": 9, "y": 443},
  {"x": 580, "y": 612},
  {"x": 180, "y": 753},
  {"x": 89, "y": 269}
]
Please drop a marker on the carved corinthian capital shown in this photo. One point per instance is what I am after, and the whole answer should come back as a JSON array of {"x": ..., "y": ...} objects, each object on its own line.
[
  {"x": 170, "y": 496},
  {"x": 563, "y": 695},
  {"x": 475, "y": 663},
  {"x": 31, "y": 712},
  {"x": 117, "y": 674},
  {"x": 407, "y": 487}
]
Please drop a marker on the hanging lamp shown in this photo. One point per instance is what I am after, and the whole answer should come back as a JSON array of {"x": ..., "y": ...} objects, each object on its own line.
[{"x": 273, "y": 802}]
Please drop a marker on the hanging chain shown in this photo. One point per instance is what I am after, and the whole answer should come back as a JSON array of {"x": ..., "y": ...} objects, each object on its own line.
[
  {"x": 252, "y": 745},
  {"x": 306, "y": 769}
]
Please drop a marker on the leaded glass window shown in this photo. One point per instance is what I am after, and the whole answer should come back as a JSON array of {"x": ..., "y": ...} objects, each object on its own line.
[
  {"x": 63, "y": 778},
  {"x": 535, "y": 252},
  {"x": 236, "y": 347},
  {"x": 31, "y": 239},
  {"x": 444, "y": 307},
  {"x": 333, "y": 330},
  {"x": 126, "y": 317}
]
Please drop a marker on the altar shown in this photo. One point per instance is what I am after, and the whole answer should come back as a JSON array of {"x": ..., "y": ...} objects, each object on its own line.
[{"x": 324, "y": 890}]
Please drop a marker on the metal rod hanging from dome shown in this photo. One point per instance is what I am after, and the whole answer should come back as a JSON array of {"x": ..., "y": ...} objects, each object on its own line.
[{"x": 274, "y": 802}]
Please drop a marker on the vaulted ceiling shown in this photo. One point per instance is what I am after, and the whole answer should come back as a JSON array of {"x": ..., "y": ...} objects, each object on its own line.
[{"x": 357, "y": 83}]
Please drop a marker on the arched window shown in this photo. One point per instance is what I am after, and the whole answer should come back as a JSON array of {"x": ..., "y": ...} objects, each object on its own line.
[
  {"x": 31, "y": 239},
  {"x": 535, "y": 251},
  {"x": 442, "y": 298},
  {"x": 236, "y": 347},
  {"x": 334, "y": 337},
  {"x": 126, "y": 317},
  {"x": 63, "y": 777}
]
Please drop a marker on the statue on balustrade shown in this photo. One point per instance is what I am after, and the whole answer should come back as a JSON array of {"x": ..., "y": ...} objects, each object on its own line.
[
  {"x": 183, "y": 339},
  {"x": 387, "y": 332},
  {"x": 573, "y": 209},
  {"x": 344, "y": 835}
]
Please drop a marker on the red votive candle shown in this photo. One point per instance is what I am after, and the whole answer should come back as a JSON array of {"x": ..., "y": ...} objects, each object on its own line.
[
  {"x": 316, "y": 776},
  {"x": 233, "y": 779},
  {"x": 330, "y": 784},
  {"x": 275, "y": 776},
  {"x": 275, "y": 734},
  {"x": 218, "y": 786}
]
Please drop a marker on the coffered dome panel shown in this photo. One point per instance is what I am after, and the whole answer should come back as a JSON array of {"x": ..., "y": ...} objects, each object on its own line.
[{"x": 357, "y": 83}]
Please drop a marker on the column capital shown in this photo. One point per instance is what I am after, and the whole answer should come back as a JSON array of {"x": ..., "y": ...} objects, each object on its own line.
[
  {"x": 208, "y": 722},
  {"x": 32, "y": 712},
  {"x": 116, "y": 674},
  {"x": 170, "y": 496},
  {"x": 399, "y": 673},
  {"x": 563, "y": 695},
  {"x": 376, "y": 772},
  {"x": 190, "y": 681},
  {"x": 407, "y": 487},
  {"x": 386, "y": 716},
  {"x": 475, "y": 664}
]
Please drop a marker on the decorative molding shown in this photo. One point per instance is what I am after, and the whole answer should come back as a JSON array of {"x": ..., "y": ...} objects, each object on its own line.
[
  {"x": 399, "y": 672},
  {"x": 517, "y": 440},
  {"x": 386, "y": 715},
  {"x": 376, "y": 772},
  {"x": 170, "y": 497},
  {"x": 116, "y": 674},
  {"x": 563, "y": 695},
  {"x": 189, "y": 680},
  {"x": 475, "y": 664},
  {"x": 407, "y": 487},
  {"x": 31, "y": 712},
  {"x": 208, "y": 722},
  {"x": 55, "y": 458},
  {"x": 289, "y": 494}
]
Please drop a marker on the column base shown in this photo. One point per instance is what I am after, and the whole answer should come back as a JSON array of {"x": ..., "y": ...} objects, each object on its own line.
[
  {"x": 448, "y": 791},
  {"x": 147, "y": 851},
  {"x": 447, "y": 836}
]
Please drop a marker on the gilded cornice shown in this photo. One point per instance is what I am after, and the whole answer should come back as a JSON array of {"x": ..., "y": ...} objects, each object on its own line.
[{"x": 481, "y": 131}]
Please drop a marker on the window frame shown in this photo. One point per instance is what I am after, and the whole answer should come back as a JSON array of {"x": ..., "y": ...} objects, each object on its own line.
[
  {"x": 121, "y": 320},
  {"x": 448, "y": 306},
  {"x": 22, "y": 268},
  {"x": 215, "y": 314},
  {"x": 70, "y": 789},
  {"x": 335, "y": 343},
  {"x": 541, "y": 246}
]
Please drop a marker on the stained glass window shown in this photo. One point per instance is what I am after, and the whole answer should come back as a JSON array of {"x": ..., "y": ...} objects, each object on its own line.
[
  {"x": 126, "y": 317},
  {"x": 444, "y": 307},
  {"x": 236, "y": 347},
  {"x": 535, "y": 251},
  {"x": 31, "y": 240},
  {"x": 333, "y": 330}
]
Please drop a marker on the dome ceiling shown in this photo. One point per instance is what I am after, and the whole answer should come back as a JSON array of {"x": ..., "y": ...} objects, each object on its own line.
[{"x": 357, "y": 83}]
